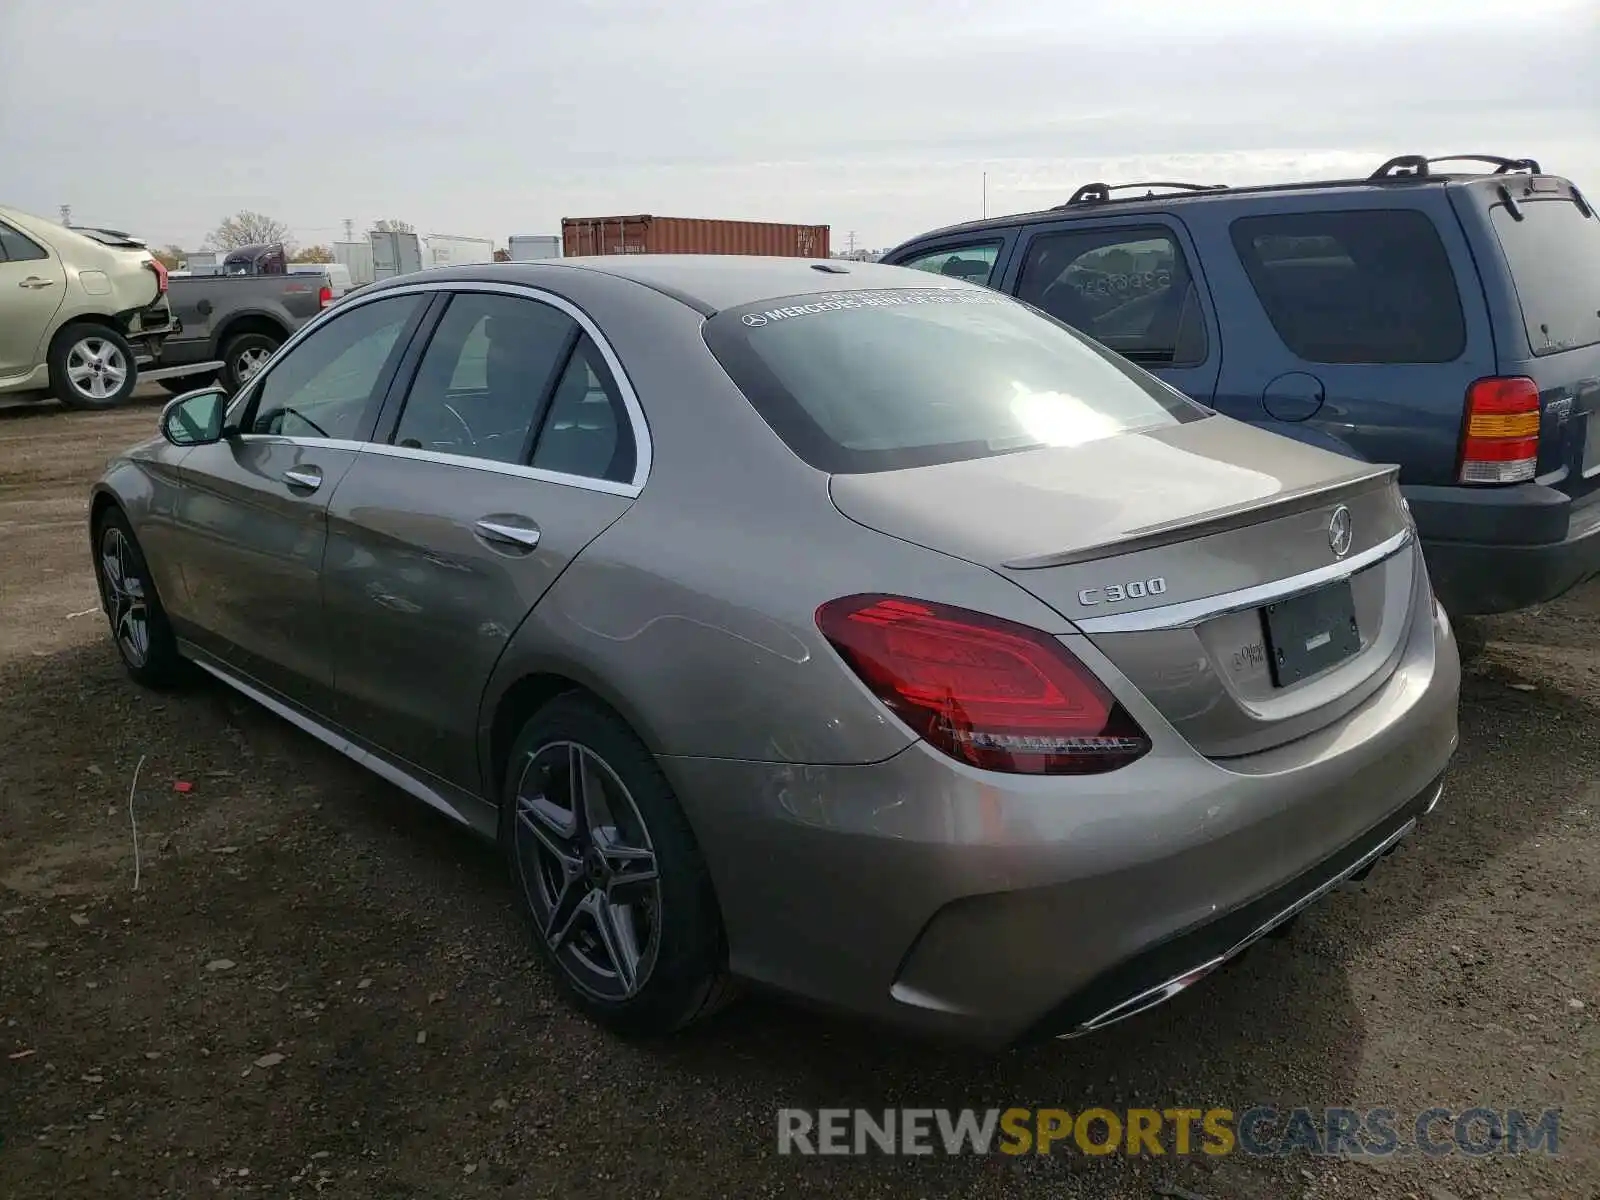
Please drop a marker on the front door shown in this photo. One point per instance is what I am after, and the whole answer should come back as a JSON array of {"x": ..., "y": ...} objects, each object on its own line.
[
  {"x": 251, "y": 514},
  {"x": 511, "y": 451},
  {"x": 32, "y": 286}
]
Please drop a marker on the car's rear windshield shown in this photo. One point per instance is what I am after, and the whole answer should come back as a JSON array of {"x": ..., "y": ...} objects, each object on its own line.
[
  {"x": 884, "y": 379},
  {"x": 1554, "y": 256}
]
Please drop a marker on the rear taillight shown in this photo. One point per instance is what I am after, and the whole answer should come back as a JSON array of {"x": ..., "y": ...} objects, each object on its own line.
[
  {"x": 160, "y": 268},
  {"x": 985, "y": 691},
  {"x": 324, "y": 297},
  {"x": 1500, "y": 443}
]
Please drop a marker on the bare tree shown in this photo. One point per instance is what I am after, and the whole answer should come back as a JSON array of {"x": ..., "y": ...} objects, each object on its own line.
[
  {"x": 247, "y": 229},
  {"x": 393, "y": 226},
  {"x": 313, "y": 254},
  {"x": 170, "y": 257}
]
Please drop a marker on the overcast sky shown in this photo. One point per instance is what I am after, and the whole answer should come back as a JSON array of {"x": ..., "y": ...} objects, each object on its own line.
[{"x": 495, "y": 117}]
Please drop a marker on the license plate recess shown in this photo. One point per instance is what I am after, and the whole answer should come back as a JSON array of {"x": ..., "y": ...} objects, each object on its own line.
[{"x": 1310, "y": 633}]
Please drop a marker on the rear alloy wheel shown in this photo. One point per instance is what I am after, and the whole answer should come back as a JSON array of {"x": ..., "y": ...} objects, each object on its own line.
[
  {"x": 243, "y": 356},
  {"x": 608, "y": 873},
  {"x": 92, "y": 366},
  {"x": 138, "y": 622}
]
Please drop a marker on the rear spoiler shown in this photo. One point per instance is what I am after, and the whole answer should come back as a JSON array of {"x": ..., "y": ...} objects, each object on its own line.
[{"x": 1219, "y": 520}]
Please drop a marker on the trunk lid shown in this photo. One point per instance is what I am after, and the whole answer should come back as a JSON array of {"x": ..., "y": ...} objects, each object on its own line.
[{"x": 1137, "y": 538}]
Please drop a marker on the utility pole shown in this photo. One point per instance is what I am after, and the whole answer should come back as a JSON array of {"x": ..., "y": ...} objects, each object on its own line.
[
  {"x": 66, "y": 214},
  {"x": 850, "y": 243},
  {"x": 349, "y": 230}
]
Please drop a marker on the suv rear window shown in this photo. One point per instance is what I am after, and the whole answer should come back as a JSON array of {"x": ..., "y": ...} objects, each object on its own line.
[
  {"x": 1363, "y": 286},
  {"x": 1554, "y": 256},
  {"x": 885, "y": 379}
]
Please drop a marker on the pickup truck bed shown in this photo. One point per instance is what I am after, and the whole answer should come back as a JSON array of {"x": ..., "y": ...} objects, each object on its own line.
[{"x": 237, "y": 320}]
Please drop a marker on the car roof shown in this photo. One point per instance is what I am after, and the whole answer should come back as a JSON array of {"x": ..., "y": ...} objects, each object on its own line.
[
  {"x": 708, "y": 283},
  {"x": 1085, "y": 203}
]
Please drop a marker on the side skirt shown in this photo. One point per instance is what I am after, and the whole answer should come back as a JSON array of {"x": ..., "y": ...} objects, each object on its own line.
[{"x": 471, "y": 811}]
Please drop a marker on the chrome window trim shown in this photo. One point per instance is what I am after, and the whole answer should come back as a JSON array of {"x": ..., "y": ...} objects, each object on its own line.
[
  {"x": 643, "y": 447},
  {"x": 516, "y": 470},
  {"x": 1186, "y": 613}
]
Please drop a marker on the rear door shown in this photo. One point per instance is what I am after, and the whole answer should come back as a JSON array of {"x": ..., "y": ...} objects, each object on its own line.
[
  {"x": 1542, "y": 257},
  {"x": 32, "y": 287},
  {"x": 1134, "y": 285},
  {"x": 1355, "y": 321},
  {"x": 515, "y": 445}
]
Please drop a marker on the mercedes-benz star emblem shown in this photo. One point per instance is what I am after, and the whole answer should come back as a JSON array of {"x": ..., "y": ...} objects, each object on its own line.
[
  {"x": 754, "y": 319},
  {"x": 1341, "y": 531}
]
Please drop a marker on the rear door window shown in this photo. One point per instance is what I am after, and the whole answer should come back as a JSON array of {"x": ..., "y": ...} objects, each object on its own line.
[
  {"x": 17, "y": 247},
  {"x": 975, "y": 264},
  {"x": 1129, "y": 289},
  {"x": 1554, "y": 256},
  {"x": 1358, "y": 286},
  {"x": 878, "y": 380}
]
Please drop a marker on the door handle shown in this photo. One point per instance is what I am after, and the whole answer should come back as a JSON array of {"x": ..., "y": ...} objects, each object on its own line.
[
  {"x": 308, "y": 478},
  {"x": 33, "y": 281},
  {"x": 520, "y": 537}
]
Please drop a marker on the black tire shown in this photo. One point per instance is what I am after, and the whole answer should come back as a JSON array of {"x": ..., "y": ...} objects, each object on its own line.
[
  {"x": 92, "y": 367},
  {"x": 153, "y": 659},
  {"x": 187, "y": 383},
  {"x": 238, "y": 352},
  {"x": 680, "y": 975}
]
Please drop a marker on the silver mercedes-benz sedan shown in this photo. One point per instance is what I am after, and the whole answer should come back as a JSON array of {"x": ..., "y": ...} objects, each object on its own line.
[{"x": 841, "y": 629}]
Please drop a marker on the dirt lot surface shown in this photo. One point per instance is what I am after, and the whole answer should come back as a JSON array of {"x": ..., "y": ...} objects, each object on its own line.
[{"x": 319, "y": 987}]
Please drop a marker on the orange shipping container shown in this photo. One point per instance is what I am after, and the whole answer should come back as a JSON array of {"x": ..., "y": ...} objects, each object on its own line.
[{"x": 582, "y": 236}]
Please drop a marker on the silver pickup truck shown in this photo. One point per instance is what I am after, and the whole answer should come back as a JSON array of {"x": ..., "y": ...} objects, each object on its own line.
[{"x": 237, "y": 320}]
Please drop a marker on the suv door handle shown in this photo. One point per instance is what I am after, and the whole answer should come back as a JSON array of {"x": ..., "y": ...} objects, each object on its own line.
[
  {"x": 308, "y": 478},
  {"x": 33, "y": 281},
  {"x": 519, "y": 537}
]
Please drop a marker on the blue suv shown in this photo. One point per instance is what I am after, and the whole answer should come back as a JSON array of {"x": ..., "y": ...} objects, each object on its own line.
[{"x": 1445, "y": 322}]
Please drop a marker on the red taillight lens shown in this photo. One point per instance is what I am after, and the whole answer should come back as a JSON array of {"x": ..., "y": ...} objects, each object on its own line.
[
  {"x": 160, "y": 268},
  {"x": 988, "y": 692},
  {"x": 325, "y": 297},
  {"x": 1500, "y": 443}
]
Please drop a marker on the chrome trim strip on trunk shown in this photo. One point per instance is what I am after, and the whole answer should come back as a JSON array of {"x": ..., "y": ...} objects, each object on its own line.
[
  {"x": 1192, "y": 612},
  {"x": 1163, "y": 992}
]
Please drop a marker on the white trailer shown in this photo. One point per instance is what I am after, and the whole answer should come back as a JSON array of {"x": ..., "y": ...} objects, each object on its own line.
[
  {"x": 447, "y": 250},
  {"x": 394, "y": 254},
  {"x": 355, "y": 257},
  {"x": 529, "y": 247}
]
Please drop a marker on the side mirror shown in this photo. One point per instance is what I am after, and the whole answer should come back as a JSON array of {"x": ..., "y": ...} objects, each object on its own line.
[{"x": 197, "y": 418}]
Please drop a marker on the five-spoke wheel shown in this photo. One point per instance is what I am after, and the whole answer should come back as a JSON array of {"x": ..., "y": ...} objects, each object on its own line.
[
  {"x": 586, "y": 863},
  {"x": 609, "y": 873}
]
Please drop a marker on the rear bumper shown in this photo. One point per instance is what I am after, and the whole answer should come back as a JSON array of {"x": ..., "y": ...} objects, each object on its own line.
[
  {"x": 1503, "y": 549},
  {"x": 992, "y": 908}
]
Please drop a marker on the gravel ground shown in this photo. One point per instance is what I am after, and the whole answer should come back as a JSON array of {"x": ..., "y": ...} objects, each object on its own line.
[{"x": 317, "y": 986}]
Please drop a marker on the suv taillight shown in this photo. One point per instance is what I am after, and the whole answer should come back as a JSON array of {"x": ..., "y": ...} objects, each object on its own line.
[
  {"x": 985, "y": 691},
  {"x": 324, "y": 297},
  {"x": 160, "y": 268},
  {"x": 1500, "y": 443}
]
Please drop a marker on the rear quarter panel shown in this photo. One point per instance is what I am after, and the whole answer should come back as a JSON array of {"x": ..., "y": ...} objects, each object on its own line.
[
  {"x": 1408, "y": 414},
  {"x": 694, "y": 615}
]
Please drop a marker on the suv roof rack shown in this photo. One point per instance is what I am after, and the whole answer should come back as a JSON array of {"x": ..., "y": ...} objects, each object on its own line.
[
  {"x": 1098, "y": 193},
  {"x": 1410, "y": 166}
]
